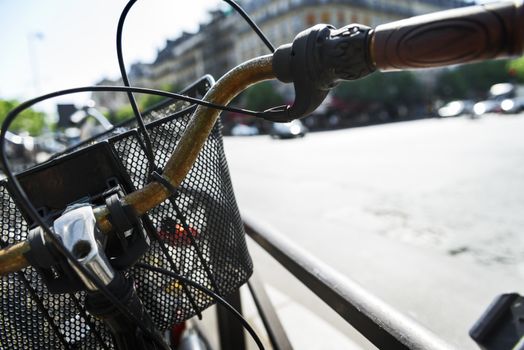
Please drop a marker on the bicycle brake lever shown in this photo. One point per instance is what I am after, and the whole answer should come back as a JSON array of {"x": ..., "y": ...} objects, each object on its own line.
[
  {"x": 317, "y": 59},
  {"x": 77, "y": 230}
]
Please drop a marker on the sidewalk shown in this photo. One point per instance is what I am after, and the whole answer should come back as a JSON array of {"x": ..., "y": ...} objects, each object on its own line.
[{"x": 305, "y": 329}]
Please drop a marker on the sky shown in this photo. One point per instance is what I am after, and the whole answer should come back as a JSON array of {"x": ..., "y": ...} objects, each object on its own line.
[{"x": 57, "y": 44}]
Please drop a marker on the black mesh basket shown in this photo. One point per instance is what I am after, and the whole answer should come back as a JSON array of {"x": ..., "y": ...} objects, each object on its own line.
[{"x": 33, "y": 318}]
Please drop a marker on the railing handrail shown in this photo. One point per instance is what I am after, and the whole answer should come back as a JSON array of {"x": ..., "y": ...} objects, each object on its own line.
[{"x": 381, "y": 324}]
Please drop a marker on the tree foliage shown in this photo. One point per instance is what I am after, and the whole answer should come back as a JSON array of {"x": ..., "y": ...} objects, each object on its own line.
[
  {"x": 262, "y": 96},
  {"x": 516, "y": 69},
  {"x": 122, "y": 114},
  {"x": 29, "y": 120},
  {"x": 471, "y": 81},
  {"x": 144, "y": 101},
  {"x": 387, "y": 88}
]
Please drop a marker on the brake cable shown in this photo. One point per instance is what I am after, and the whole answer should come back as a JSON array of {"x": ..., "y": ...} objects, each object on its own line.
[{"x": 125, "y": 79}]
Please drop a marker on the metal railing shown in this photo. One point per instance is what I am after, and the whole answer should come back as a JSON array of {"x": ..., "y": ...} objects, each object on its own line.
[{"x": 377, "y": 321}]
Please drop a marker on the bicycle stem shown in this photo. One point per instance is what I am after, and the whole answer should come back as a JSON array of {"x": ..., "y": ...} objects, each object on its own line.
[{"x": 444, "y": 38}]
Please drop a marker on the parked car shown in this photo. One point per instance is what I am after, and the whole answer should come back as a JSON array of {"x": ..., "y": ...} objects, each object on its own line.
[
  {"x": 503, "y": 98},
  {"x": 456, "y": 108},
  {"x": 501, "y": 91},
  {"x": 288, "y": 130},
  {"x": 512, "y": 105},
  {"x": 244, "y": 130},
  {"x": 487, "y": 106}
]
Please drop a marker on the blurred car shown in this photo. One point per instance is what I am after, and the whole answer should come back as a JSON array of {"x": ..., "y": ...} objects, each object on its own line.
[
  {"x": 487, "y": 106},
  {"x": 288, "y": 130},
  {"x": 502, "y": 90},
  {"x": 456, "y": 108},
  {"x": 512, "y": 105},
  {"x": 244, "y": 130},
  {"x": 20, "y": 147}
]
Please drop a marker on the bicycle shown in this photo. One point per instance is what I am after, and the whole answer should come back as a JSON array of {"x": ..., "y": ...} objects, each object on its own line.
[{"x": 123, "y": 248}]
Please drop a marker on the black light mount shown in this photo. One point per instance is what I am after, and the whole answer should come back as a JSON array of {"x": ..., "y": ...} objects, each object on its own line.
[{"x": 316, "y": 61}]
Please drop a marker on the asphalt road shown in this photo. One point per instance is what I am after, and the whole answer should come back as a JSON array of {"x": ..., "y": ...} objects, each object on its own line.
[{"x": 427, "y": 215}]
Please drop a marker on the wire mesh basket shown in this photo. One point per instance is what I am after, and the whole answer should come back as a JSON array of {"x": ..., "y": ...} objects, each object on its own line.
[{"x": 31, "y": 317}]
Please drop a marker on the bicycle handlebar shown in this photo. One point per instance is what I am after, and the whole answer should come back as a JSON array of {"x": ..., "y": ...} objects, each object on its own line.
[
  {"x": 448, "y": 37},
  {"x": 461, "y": 35}
]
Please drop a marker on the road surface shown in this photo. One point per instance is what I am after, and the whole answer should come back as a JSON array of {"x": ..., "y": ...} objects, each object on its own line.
[{"x": 427, "y": 215}]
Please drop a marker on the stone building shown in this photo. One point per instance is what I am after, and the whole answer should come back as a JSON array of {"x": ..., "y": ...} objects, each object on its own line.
[
  {"x": 282, "y": 20},
  {"x": 227, "y": 40}
]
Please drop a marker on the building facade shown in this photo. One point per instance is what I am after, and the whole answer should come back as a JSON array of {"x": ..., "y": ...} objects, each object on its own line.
[
  {"x": 226, "y": 40},
  {"x": 282, "y": 20}
]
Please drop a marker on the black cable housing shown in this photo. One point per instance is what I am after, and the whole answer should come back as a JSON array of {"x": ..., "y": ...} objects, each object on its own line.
[
  {"x": 132, "y": 101},
  {"x": 125, "y": 78}
]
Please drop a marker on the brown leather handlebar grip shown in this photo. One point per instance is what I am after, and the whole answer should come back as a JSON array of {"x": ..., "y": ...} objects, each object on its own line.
[{"x": 449, "y": 37}]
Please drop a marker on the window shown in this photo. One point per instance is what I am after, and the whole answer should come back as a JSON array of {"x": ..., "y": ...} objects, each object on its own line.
[
  {"x": 325, "y": 17},
  {"x": 310, "y": 19},
  {"x": 297, "y": 25},
  {"x": 341, "y": 19}
]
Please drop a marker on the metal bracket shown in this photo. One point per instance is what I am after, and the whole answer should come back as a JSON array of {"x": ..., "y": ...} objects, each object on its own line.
[
  {"x": 77, "y": 228},
  {"x": 501, "y": 326}
]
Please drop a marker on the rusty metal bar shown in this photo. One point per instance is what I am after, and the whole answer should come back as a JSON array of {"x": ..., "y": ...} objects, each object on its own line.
[
  {"x": 186, "y": 152},
  {"x": 12, "y": 258}
]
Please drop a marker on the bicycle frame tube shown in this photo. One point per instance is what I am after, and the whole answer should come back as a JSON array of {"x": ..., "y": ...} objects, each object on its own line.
[{"x": 194, "y": 137}]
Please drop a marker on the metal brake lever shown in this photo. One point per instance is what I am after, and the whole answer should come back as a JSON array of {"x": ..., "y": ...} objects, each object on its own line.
[{"x": 78, "y": 232}]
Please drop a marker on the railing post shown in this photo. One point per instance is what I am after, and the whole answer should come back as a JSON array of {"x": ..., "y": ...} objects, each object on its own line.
[
  {"x": 266, "y": 310},
  {"x": 230, "y": 329}
]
